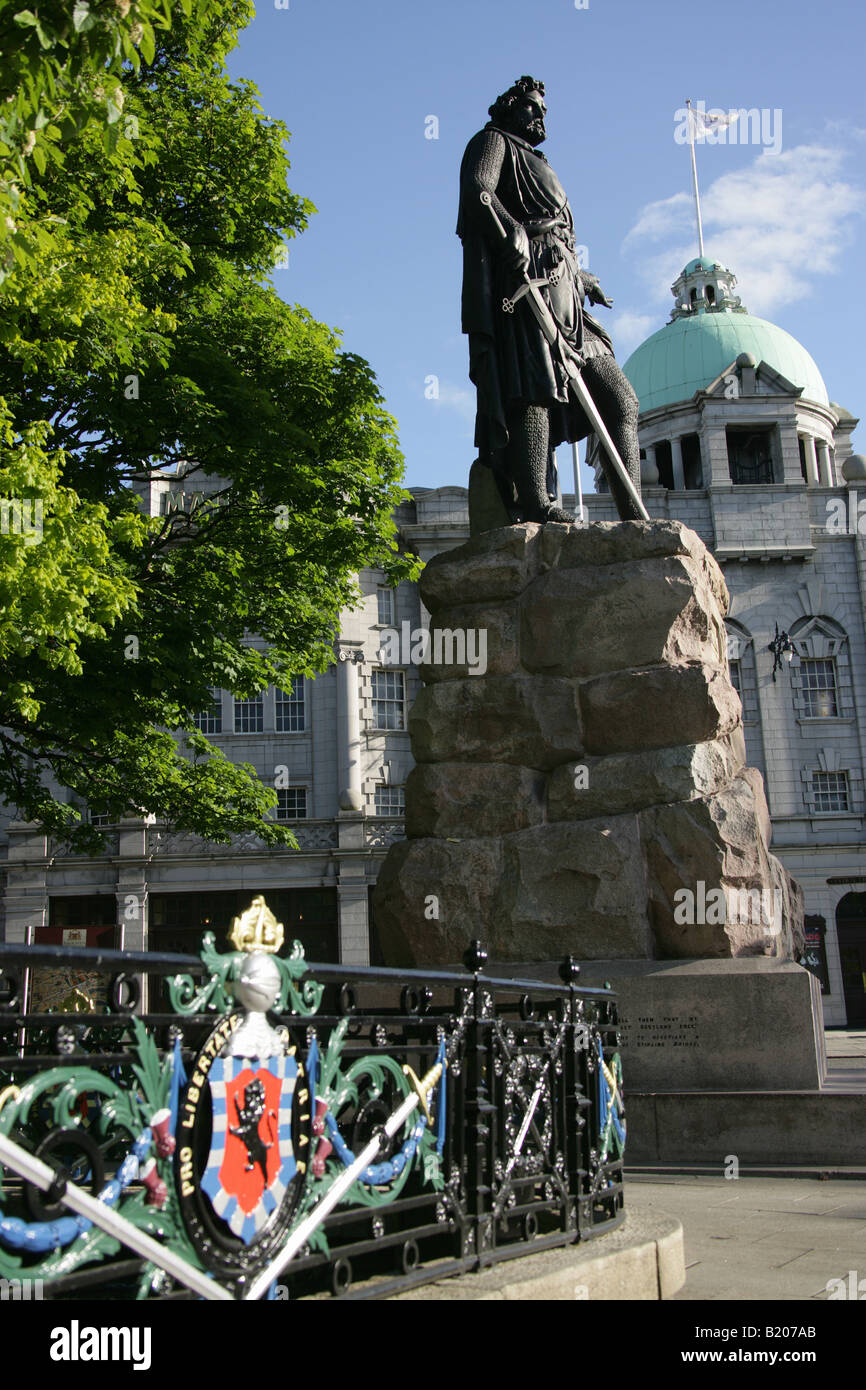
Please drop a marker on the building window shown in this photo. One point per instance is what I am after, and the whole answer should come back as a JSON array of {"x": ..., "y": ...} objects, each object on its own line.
[
  {"x": 177, "y": 920},
  {"x": 664, "y": 463},
  {"x": 389, "y": 700},
  {"x": 98, "y": 910},
  {"x": 741, "y": 663},
  {"x": 98, "y": 817},
  {"x": 291, "y": 709},
  {"x": 385, "y": 606},
  {"x": 830, "y": 791},
  {"x": 818, "y": 684},
  {"x": 693, "y": 468},
  {"x": 390, "y": 801},
  {"x": 750, "y": 455},
  {"x": 250, "y": 715},
  {"x": 210, "y": 719},
  {"x": 291, "y": 803}
]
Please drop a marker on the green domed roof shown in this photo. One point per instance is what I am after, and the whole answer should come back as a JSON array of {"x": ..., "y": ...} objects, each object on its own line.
[
  {"x": 701, "y": 263},
  {"x": 688, "y": 354}
]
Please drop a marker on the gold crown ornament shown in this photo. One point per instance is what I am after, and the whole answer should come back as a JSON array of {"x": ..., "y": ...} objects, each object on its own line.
[{"x": 257, "y": 929}]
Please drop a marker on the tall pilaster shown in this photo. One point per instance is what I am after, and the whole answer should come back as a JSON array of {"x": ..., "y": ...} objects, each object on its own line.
[
  {"x": 131, "y": 897},
  {"x": 811, "y": 462},
  {"x": 348, "y": 728},
  {"x": 812, "y": 476},
  {"x": 825, "y": 465},
  {"x": 26, "y": 881},
  {"x": 677, "y": 464}
]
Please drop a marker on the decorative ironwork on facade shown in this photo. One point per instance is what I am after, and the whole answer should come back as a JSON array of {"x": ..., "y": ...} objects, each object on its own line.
[
  {"x": 381, "y": 834},
  {"x": 315, "y": 835},
  {"x": 285, "y": 1128}
]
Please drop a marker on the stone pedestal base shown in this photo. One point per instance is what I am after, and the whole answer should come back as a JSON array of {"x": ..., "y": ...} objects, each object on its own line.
[
  {"x": 583, "y": 787},
  {"x": 750, "y": 1024},
  {"x": 706, "y": 1025},
  {"x": 817, "y": 1130},
  {"x": 721, "y": 1058}
]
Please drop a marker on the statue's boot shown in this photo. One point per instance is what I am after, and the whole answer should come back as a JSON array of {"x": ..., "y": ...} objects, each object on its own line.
[
  {"x": 555, "y": 513},
  {"x": 618, "y": 407},
  {"x": 528, "y": 460}
]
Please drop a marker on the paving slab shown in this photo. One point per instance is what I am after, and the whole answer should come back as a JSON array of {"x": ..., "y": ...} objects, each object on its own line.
[
  {"x": 761, "y": 1239},
  {"x": 750, "y": 1239},
  {"x": 846, "y": 1042}
]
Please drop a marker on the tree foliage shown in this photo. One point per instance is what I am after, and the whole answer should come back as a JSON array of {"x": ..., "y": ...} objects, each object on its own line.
[{"x": 139, "y": 337}]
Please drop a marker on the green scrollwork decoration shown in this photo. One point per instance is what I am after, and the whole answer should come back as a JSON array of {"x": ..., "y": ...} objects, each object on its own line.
[
  {"x": 214, "y": 994},
  {"x": 187, "y": 997},
  {"x": 115, "y": 1114}
]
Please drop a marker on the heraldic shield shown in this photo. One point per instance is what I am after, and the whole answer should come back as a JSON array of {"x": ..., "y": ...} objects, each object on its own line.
[{"x": 251, "y": 1162}]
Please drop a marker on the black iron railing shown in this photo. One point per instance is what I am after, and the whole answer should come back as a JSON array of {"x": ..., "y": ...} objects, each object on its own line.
[{"x": 511, "y": 1141}]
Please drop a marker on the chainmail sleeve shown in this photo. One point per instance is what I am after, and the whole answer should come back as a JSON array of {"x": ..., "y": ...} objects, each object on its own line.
[{"x": 481, "y": 175}]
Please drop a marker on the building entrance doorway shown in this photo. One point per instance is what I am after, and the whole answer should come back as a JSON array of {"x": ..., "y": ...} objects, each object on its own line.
[{"x": 851, "y": 930}]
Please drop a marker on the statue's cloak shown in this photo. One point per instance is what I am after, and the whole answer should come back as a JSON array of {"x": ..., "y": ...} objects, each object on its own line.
[{"x": 510, "y": 361}]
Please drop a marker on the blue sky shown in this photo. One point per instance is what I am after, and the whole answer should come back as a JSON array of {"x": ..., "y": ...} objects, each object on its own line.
[{"x": 356, "y": 83}]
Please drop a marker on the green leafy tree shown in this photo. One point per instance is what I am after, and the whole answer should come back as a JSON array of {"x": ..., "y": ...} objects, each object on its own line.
[{"x": 141, "y": 338}]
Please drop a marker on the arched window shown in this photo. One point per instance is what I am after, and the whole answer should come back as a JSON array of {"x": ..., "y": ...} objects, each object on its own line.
[{"x": 821, "y": 680}]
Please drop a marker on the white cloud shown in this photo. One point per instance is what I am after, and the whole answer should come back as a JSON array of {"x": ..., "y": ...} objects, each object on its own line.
[
  {"x": 629, "y": 328},
  {"x": 845, "y": 129},
  {"x": 778, "y": 224},
  {"x": 458, "y": 398},
  {"x": 656, "y": 220}
]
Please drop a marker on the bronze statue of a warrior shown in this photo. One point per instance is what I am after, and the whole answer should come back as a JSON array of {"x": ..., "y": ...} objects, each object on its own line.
[{"x": 544, "y": 370}]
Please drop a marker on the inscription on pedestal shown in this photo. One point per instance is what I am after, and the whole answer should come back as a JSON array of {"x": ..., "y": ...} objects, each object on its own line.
[{"x": 663, "y": 1030}]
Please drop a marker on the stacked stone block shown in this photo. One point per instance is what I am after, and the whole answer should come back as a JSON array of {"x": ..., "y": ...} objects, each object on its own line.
[{"x": 561, "y": 799}]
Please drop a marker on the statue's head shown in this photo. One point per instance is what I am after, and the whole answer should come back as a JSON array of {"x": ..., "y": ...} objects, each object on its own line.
[{"x": 521, "y": 110}]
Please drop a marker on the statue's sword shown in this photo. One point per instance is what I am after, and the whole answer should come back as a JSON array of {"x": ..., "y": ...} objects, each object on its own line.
[
  {"x": 531, "y": 289},
  {"x": 341, "y": 1185}
]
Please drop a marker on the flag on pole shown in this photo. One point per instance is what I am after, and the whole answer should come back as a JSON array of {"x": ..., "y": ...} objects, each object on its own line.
[
  {"x": 709, "y": 122},
  {"x": 703, "y": 123}
]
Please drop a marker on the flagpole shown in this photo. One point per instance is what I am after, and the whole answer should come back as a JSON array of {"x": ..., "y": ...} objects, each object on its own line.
[
  {"x": 578, "y": 490},
  {"x": 695, "y": 178}
]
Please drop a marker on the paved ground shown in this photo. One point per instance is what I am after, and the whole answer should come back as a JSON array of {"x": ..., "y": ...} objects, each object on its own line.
[
  {"x": 761, "y": 1238},
  {"x": 846, "y": 1061},
  {"x": 846, "y": 1042}
]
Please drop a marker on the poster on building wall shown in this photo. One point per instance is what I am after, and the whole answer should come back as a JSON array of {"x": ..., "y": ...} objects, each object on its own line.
[
  {"x": 815, "y": 954},
  {"x": 66, "y": 988}
]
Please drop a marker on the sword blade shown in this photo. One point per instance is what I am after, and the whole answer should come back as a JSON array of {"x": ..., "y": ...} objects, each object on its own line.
[
  {"x": 518, "y": 1146},
  {"x": 548, "y": 327},
  {"x": 591, "y": 413},
  {"x": 545, "y": 319}
]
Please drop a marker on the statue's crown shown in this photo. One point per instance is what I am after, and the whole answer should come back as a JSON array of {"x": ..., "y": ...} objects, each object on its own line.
[{"x": 257, "y": 929}]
